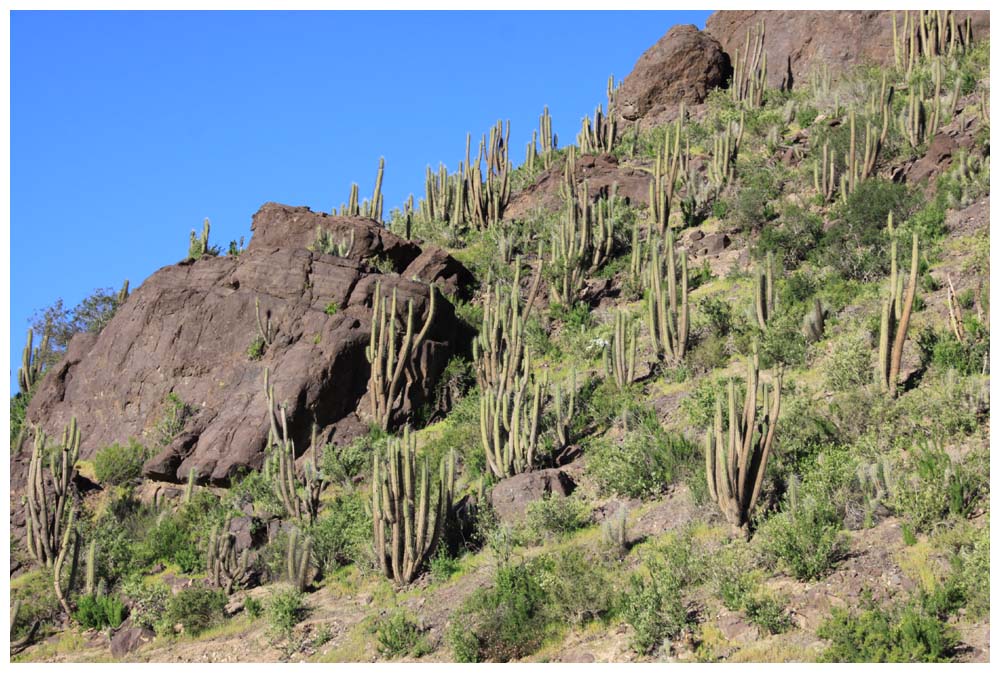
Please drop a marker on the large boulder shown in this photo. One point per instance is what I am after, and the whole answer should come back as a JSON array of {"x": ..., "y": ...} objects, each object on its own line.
[
  {"x": 798, "y": 43},
  {"x": 682, "y": 67},
  {"x": 188, "y": 328},
  {"x": 511, "y": 496}
]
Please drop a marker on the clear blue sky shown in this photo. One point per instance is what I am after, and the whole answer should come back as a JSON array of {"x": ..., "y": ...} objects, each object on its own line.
[{"x": 129, "y": 128}]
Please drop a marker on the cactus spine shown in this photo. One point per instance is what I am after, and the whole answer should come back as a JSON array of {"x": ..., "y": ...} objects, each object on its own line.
[
  {"x": 408, "y": 518},
  {"x": 735, "y": 467},
  {"x": 389, "y": 357},
  {"x": 668, "y": 307},
  {"x": 896, "y": 312}
]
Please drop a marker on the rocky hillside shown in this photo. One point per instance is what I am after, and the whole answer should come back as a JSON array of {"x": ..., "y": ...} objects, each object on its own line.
[{"x": 709, "y": 384}]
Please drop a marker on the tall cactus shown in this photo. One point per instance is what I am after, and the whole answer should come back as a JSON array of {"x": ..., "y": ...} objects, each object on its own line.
[
  {"x": 298, "y": 559},
  {"x": 600, "y": 136},
  {"x": 489, "y": 186},
  {"x": 665, "y": 170},
  {"x": 565, "y": 410},
  {"x": 726, "y": 149},
  {"x": 896, "y": 312},
  {"x": 621, "y": 351},
  {"x": 764, "y": 292},
  {"x": 49, "y": 510},
  {"x": 199, "y": 246},
  {"x": 750, "y": 69},
  {"x": 390, "y": 357},
  {"x": 299, "y": 498},
  {"x": 32, "y": 362},
  {"x": 227, "y": 570},
  {"x": 371, "y": 209},
  {"x": 735, "y": 467},
  {"x": 581, "y": 243},
  {"x": 668, "y": 307},
  {"x": 408, "y": 510},
  {"x": 509, "y": 399}
]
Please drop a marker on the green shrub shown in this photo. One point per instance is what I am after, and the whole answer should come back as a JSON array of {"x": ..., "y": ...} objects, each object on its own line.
[
  {"x": 579, "y": 586},
  {"x": 284, "y": 610},
  {"x": 652, "y": 606},
  {"x": 255, "y": 351},
  {"x": 805, "y": 536},
  {"x": 792, "y": 238},
  {"x": 783, "y": 341},
  {"x": 38, "y": 600},
  {"x": 98, "y": 612},
  {"x": 641, "y": 466},
  {"x": 195, "y": 609},
  {"x": 908, "y": 633},
  {"x": 556, "y": 515},
  {"x": 971, "y": 576},
  {"x": 503, "y": 622},
  {"x": 443, "y": 565},
  {"x": 931, "y": 486},
  {"x": 117, "y": 464},
  {"x": 254, "y": 607},
  {"x": 751, "y": 206},
  {"x": 850, "y": 364},
  {"x": 331, "y": 308},
  {"x": 397, "y": 635},
  {"x": 767, "y": 612},
  {"x": 342, "y": 532},
  {"x": 147, "y": 600}
]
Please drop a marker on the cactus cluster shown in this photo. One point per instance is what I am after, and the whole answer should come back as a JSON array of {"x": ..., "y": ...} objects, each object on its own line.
[
  {"x": 896, "y": 312},
  {"x": 581, "y": 242},
  {"x": 735, "y": 464},
  {"x": 199, "y": 246},
  {"x": 750, "y": 69},
  {"x": 763, "y": 292},
  {"x": 599, "y": 136},
  {"x": 227, "y": 570},
  {"x": 266, "y": 331},
  {"x": 48, "y": 510},
  {"x": 620, "y": 354},
  {"x": 928, "y": 33},
  {"x": 369, "y": 208},
  {"x": 299, "y": 498},
  {"x": 564, "y": 409},
  {"x": 32, "y": 362},
  {"x": 326, "y": 244},
  {"x": 668, "y": 306},
  {"x": 389, "y": 354},
  {"x": 510, "y": 396},
  {"x": 298, "y": 560},
  {"x": 548, "y": 143},
  {"x": 726, "y": 149},
  {"x": 408, "y": 510},
  {"x": 665, "y": 171}
]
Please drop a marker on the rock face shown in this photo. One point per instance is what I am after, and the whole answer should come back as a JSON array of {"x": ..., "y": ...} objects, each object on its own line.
[
  {"x": 682, "y": 67},
  {"x": 799, "y": 42},
  {"x": 187, "y": 330},
  {"x": 511, "y": 497},
  {"x": 600, "y": 171}
]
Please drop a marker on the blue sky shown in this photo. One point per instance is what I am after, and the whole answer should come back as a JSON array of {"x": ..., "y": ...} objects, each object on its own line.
[{"x": 129, "y": 128}]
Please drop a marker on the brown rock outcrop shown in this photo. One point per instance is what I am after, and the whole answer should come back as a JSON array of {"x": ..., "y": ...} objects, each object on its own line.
[
  {"x": 682, "y": 67},
  {"x": 187, "y": 330}
]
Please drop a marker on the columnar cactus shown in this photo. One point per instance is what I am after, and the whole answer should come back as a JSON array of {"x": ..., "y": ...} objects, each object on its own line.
[
  {"x": 299, "y": 498},
  {"x": 926, "y": 33},
  {"x": 726, "y": 149},
  {"x": 32, "y": 363},
  {"x": 565, "y": 410},
  {"x": 750, "y": 69},
  {"x": 548, "y": 140},
  {"x": 825, "y": 174},
  {"x": 389, "y": 356},
  {"x": 668, "y": 307},
  {"x": 764, "y": 292},
  {"x": 600, "y": 136},
  {"x": 48, "y": 510},
  {"x": 227, "y": 570},
  {"x": 371, "y": 209},
  {"x": 581, "y": 243},
  {"x": 298, "y": 559},
  {"x": 621, "y": 351},
  {"x": 735, "y": 465},
  {"x": 199, "y": 246},
  {"x": 814, "y": 322},
  {"x": 265, "y": 330},
  {"x": 489, "y": 187},
  {"x": 408, "y": 511},
  {"x": 508, "y": 411},
  {"x": 665, "y": 169},
  {"x": 895, "y": 318}
]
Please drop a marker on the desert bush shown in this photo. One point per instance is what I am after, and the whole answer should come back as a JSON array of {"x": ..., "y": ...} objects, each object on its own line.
[
  {"x": 792, "y": 238},
  {"x": 931, "y": 486},
  {"x": 195, "y": 609},
  {"x": 652, "y": 606},
  {"x": 641, "y": 466},
  {"x": 284, "y": 609},
  {"x": 147, "y": 600},
  {"x": 397, "y": 634},
  {"x": 908, "y": 633},
  {"x": 850, "y": 364},
  {"x": 971, "y": 573},
  {"x": 38, "y": 600},
  {"x": 555, "y": 516},
  {"x": 578, "y": 585},
  {"x": 98, "y": 612},
  {"x": 505, "y": 621},
  {"x": 805, "y": 535},
  {"x": 117, "y": 464},
  {"x": 342, "y": 532}
]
